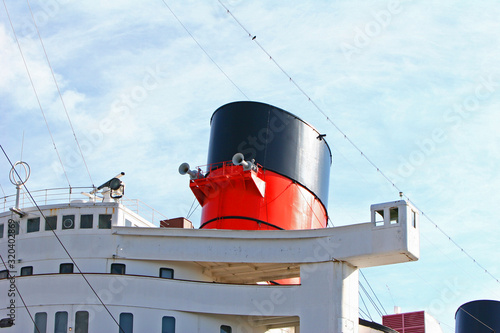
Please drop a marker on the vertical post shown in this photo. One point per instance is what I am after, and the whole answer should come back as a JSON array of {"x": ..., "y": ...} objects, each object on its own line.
[{"x": 329, "y": 298}]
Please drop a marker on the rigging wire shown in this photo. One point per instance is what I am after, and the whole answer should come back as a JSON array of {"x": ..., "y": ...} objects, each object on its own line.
[
  {"x": 19, "y": 293},
  {"x": 372, "y": 291},
  {"x": 254, "y": 39},
  {"x": 36, "y": 94},
  {"x": 204, "y": 50},
  {"x": 61, "y": 243},
  {"x": 375, "y": 306},
  {"x": 363, "y": 301},
  {"x": 462, "y": 309},
  {"x": 60, "y": 95},
  {"x": 189, "y": 211}
]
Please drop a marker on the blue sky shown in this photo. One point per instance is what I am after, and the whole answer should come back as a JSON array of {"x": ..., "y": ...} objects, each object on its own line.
[{"x": 414, "y": 84}]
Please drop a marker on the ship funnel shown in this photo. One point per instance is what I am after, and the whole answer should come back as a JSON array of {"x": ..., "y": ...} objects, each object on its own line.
[{"x": 278, "y": 179}]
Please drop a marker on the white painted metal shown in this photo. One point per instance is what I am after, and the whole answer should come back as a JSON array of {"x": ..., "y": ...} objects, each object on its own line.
[{"x": 215, "y": 271}]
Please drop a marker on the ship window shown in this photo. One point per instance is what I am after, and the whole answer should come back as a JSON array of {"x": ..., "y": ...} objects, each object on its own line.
[
  {"x": 61, "y": 323},
  {"x": 105, "y": 221},
  {"x": 117, "y": 268},
  {"x": 66, "y": 268},
  {"x": 168, "y": 324},
  {"x": 1, "y": 230},
  {"x": 166, "y": 273},
  {"x": 394, "y": 215},
  {"x": 4, "y": 274},
  {"x": 225, "y": 329},
  {"x": 126, "y": 323},
  {"x": 27, "y": 270},
  {"x": 40, "y": 322},
  {"x": 379, "y": 214},
  {"x": 68, "y": 222},
  {"x": 16, "y": 227},
  {"x": 82, "y": 322},
  {"x": 33, "y": 225},
  {"x": 86, "y": 221},
  {"x": 413, "y": 219},
  {"x": 51, "y": 223}
]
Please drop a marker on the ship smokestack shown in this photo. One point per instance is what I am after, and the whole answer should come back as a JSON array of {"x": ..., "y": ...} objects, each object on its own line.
[{"x": 267, "y": 170}]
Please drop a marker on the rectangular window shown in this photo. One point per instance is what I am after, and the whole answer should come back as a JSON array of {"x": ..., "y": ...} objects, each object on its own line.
[
  {"x": 51, "y": 223},
  {"x": 394, "y": 215},
  {"x": 1, "y": 230},
  {"x": 167, "y": 273},
  {"x": 66, "y": 268},
  {"x": 40, "y": 322},
  {"x": 225, "y": 329},
  {"x": 379, "y": 218},
  {"x": 105, "y": 221},
  {"x": 126, "y": 323},
  {"x": 68, "y": 222},
  {"x": 61, "y": 322},
  {"x": 86, "y": 221},
  {"x": 413, "y": 219},
  {"x": 27, "y": 270},
  {"x": 4, "y": 274},
  {"x": 16, "y": 227},
  {"x": 33, "y": 225},
  {"x": 168, "y": 324},
  {"x": 82, "y": 322},
  {"x": 117, "y": 268}
]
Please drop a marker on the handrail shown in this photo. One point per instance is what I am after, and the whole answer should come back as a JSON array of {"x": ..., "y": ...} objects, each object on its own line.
[{"x": 67, "y": 194}]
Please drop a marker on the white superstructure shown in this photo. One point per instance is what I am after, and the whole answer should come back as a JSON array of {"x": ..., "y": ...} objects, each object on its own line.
[{"x": 138, "y": 277}]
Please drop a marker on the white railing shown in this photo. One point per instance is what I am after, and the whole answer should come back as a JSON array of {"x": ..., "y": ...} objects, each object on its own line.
[{"x": 65, "y": 195}]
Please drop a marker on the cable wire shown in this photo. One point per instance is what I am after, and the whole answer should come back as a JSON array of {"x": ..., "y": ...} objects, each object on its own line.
[
  {"x": 477, "y": 319},
  {"x": 60, "y": 95},
  {"x": 204, "y": 51},
  {"x": 36, "y": 94},
  {"x": 61, "y": 243},
  {"x": 20, "y": 296},
  {"x": 254, "y": 39},
  {"x": 372, "y": 291}
]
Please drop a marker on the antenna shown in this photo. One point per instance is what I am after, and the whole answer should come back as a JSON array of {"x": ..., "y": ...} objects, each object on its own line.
[{"x": 16, "y": 180}]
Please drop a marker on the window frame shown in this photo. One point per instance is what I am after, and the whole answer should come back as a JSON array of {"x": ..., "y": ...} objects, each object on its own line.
[
  {"x": 33, "y": 225},
  {"x": 83, "y": 218},
  {"x": 53, "y": 219},
  {"x": 66, "y": 218},
  {"x": 26, "y": 268},
  {"x": 118, "y": 265},
  {"x": 104, "y": 224},
  {"x": 66, "y": 264},
  {"x": 125, "y": 319}
]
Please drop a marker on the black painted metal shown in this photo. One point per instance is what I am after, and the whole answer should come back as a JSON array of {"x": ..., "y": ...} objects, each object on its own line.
[
  {"x": 481, "y": 316},
  {"x": 276, "y": 139}
]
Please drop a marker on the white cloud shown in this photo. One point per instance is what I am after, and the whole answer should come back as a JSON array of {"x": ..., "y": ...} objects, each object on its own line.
[{"x": 399, "y": 86}]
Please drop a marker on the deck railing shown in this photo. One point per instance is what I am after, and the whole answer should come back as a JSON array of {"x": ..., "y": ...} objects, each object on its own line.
[{"x": 66, "y": 195}]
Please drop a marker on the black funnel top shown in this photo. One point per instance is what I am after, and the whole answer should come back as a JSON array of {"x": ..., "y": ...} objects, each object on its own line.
[
  {"x": 276, "y": 139},
  {"x": 482, "y": 316}
]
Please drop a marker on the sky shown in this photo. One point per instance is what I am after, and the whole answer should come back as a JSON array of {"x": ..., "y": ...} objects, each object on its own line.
[{"x": 415, "y": 85}]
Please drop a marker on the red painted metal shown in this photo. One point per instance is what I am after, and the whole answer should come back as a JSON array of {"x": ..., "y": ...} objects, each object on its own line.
[
  {"x": 255, "y": 200},
  {"x": 410, "y": 322}
]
